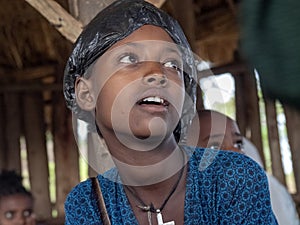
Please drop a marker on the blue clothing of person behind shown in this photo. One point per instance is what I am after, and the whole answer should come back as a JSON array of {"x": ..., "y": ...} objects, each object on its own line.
[{"x": 222, "y": 187}]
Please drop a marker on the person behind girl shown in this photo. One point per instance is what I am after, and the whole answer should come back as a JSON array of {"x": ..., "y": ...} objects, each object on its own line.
[
  {"x": 16, "y": 203},
  {"x": 219, "y": 131},
  {"x": 131, "y": 78}
]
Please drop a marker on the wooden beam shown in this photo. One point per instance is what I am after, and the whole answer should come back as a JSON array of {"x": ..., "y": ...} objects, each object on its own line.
[
  {"x": 65, "y": 152},
  {"x": 34, "y": 128},
  {"x": 274, "y": 143},
  {"x": 86, "y": 10},
  {"x": 3, "y": 148},
  {"x": 67, "y": 25},
  {"x": 247, "y": 110},
  {"x": 32, "y": 87},
  {"x": 233, "y": 68},
  {"x": 184, "y": 13},
  {"x": 157, "y": 3},
  {"x": 293, "y": 126},
  {"x": 25, "y": 74},
  {"x": 240, "y": 103},
  {"x": 199, "y": 100},
  {"x": 13, "y": 131},
  {"x": 253, "y": 112}
]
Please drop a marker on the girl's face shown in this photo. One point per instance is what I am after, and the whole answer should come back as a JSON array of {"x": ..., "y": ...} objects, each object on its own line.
[
  {"x": 16, "y": 210},
  {"x": 138, "y": 85}
]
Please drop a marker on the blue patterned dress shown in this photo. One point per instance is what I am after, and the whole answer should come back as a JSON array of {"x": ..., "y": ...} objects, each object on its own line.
[{"x": 222, "y": 187}]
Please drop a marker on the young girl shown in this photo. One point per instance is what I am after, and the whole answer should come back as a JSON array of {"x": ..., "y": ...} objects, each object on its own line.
[
  {"x": 16, "y": 203},
  {"x": 131, "y": 77}
]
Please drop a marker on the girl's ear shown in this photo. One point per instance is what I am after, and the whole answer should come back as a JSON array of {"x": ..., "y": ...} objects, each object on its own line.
[{"x": 85, "y": 96}]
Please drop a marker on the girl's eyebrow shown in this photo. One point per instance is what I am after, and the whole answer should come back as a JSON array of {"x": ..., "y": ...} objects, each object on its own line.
[{"x": 141, "y": 45}]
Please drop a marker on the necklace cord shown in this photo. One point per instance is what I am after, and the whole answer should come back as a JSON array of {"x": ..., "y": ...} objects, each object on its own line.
[{"x": 150, "y": 207}]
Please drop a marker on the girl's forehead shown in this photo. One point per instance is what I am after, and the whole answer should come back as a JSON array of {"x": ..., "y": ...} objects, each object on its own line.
[
  {"x": 15, "y": 201},
  {"x": 145, "y": 33}
]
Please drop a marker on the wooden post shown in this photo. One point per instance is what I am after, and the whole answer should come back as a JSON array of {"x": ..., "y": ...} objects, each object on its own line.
[
  {"x": 274, "y": 143},
  {"x": 199, "y": 101},
  {"x": 184, "y": 13},
  {"x": 240, "y": 103},
  {"x": 84, "y": 11},
  {"x": 65, "y": 151},
  {"x": 13, "y": 131},
  {"x": 3, "y": 147},
  {"x": 253, "y": 112},
  {"x": 37, "y": 153},
  {"x": 293, "y": 126},
  {"x": 247, "y": 110}
]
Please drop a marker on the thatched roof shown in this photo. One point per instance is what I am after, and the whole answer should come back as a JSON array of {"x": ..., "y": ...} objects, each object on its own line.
[{"x": 32, "y": 47}]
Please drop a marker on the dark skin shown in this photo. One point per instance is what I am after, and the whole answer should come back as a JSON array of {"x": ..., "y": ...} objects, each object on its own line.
[
  {"x": 139, "y": 135},
  {"x": 210, "y": 129},
  {"x": 16, "y": 209}
]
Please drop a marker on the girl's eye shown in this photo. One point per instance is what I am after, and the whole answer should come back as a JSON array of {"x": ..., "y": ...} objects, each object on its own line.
[
  {"x": 174, "y": 64},
  {"x": 239, "y": 145},
  {"x": 129, "y": 59},
  {"x": 9, "y": 215},
  {"x": 214, "y": 145},
  {"x": 27, "y": 213}
]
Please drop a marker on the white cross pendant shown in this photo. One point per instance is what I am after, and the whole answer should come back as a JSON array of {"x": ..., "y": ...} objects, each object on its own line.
[{"x": 160, "y": 219}]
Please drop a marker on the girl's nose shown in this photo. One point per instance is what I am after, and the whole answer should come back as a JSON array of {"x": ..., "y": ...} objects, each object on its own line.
[{"x": 158, "y": 80}]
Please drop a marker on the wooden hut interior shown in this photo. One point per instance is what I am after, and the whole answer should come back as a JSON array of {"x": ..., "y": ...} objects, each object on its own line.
[{"x": 36, "y": 136}]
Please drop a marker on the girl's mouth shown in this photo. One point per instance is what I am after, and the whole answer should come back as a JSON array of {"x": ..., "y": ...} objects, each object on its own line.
[{"x": 153, "y": 100}]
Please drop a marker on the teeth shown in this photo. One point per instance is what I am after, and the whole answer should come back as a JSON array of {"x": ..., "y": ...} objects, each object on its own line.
[{"x": 154, "y": 99}]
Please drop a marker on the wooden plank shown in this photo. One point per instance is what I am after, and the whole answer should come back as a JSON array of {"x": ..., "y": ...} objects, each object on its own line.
[
  {"x": 274, "y": 143},
  {"x": 13, "y": 131},
  {"x": 157, "y": 3},
  {"x": 65, "y": 152},
  {"x": 199, "y": 100},
  {"x": 30, "y": 87},
  {"x": 37, "y": 153},
  {"x": 293, "y": 126},
  {"x": 86, "y": 10},
  {"x": 25, "y": 74},
  {"x": 247, "y": 110},
  {"x": 184, "y": 13},
  {"x": 66, "y": 24},
  {"x": 235, "y": 68},
  {"x": 253, "y": 112},
  {"x": 3, "y": 147},
  {"x": 240, "y": 103},
  {"x": 58, "y": 17}
]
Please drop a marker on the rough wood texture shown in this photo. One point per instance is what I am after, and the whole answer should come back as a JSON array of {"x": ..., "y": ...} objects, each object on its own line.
[
  {"x": 13, "y": 131},
  {"x": 253, "y": 112},
  {"x": 293, "y": 126},
  {"x": 247, "y": 110},
  {"x": 2, "y": 135},
  {"x": 58, "y": 17},
  {"x": 37, "y": 153},
  {"x": 240, "y": 103},
  {"x": 85, "y": 10},
  {"x": 184, "y": 14},
  {"x": 157, "y": 3},
  {"x": 65, "y": 152},
  {"x": 274, "y": 143}
]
